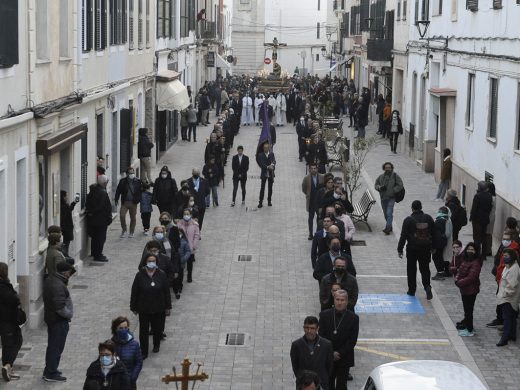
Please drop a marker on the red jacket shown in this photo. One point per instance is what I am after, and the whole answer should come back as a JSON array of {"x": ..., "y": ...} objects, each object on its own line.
[
  {"x": 455, "y": 263},
  {"x": 499, "y": 259},
  {"x": 468, "y": 277}
]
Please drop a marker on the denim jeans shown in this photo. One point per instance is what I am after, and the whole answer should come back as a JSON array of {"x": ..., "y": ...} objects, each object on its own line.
[
  {"x": 388, "y": 210},
  {"x": 56, "y": 338},
  {"x": 509, "y": 315},
  {"x": 444, "y": 186},
  {"x": 361, "y": 131}
]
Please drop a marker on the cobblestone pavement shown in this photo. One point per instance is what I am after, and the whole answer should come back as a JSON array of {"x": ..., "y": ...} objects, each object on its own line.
[{"x": 267, "y": 298}]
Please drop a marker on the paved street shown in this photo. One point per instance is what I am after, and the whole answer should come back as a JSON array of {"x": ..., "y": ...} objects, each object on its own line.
[{"x": 268, "y": 298}]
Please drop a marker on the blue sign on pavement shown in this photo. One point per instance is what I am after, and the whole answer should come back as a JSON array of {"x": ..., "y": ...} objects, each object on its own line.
[{"x": 388, "y": 303}]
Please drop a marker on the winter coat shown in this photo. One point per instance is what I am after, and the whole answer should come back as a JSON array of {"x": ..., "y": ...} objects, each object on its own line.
[
  {"x": 184, "y": 252},
  {"x": 468, "y": 277},
  {"x": 66, "y": 224},
  {"x": 144, "y": 145},
  {"x": 129, "y": 352},
  {"x": 98, "y": 208},
  {"x": 184, "y": 118},
  {"x": 57, "y": 304},
  {"x": 348, "y": 283},
  {"x": 499, "y": 264},
  {"x": 457, "y": 213},
  {"x": 509, "y": 288},
  {"x": 126, "y": 185},
  {"x": 388, "y": 185},
  {"x": 446, "y": 169},
  {"x": 192, "y": 116},
  {"x": 345, "y": 339},
  {"x": 491, "y": 224},
  {"x": 165, "y": 264},
  {"x": 455, "y": 263},
  {"x": 212, "y": 174},
  {"x": 149, "y": 299},
  {"x": 9, "y": 302},
  {"x": 117, "y": 377},
  {"x": 192, "y": 232},
  {"x": 440, "y": 239},
  {"x": 53, "y": 257},
  {"x": 146, "y": 202},
  {"x": 164, "y": 190},
  {"x": 481, "y": 207},
  {"x": 409, "y": 229},
  {"x": 320, "y": 361}
]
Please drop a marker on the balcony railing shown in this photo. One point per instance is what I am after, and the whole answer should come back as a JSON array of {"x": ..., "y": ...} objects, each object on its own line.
[
  {"x": 207, "y": 30},
  {"x": 379, "y": 49}
]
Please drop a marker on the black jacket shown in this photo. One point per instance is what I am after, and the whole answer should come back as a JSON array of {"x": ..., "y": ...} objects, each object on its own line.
[
  {"x": 439, "y": 235},
  {"x": 200, "y": 195},
  {"x": 146, "y": 298},
  {"x": 117, "y": 377},
  {"x": 164, "y": 190},
  {"x": 346, "y": 337},
  {"x": 325, "y": 266},
  {"x": 240, "y": 169},
  {"x": 348, "y": 283},
  {"x": 212, "y": 174},
  {"x": 165, "y": 264},
  {"x": 481, "y": 207},
  {"x": 98, "y": 207},
  {"x": 409, "y": 228},
  {"x": 457, "y": 213},
  {"x": 9, "y": 302},
  {"x": 319, "y": 361},
  {"x": 66, "y": 224},
  {"x": 123, "y": 187},
  {"x": 263, "y": 162},
  {"x": 57, "y": 304},
  {"x": 144, "y": 145}
]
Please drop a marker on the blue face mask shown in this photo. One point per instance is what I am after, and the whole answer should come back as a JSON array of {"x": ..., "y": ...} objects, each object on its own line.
[
  {"x": 159, "y": 236},
  {"x": 122, "y": 334},
  {"x": 151, "y": 265},
  {"x": 105, "y": 360},
  {"x": 507, "y": 259}
]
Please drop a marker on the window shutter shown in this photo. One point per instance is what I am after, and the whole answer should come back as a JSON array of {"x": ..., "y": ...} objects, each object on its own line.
[
  {"x": 8, "y": 33},
  {"x": 130, "y": 24},
  {"x": 353, "y": 21},
  {"x": 497, "y": 4},
  {"x": 193, "y": 14},
  {"x": 125, "y": 139},
  {"x": 140, "y": 24},
  {"x": 113, "y": 22},
  {"x": 98, "y": 28},
  {"x": 403, "y": 17},
  {"x": 472, "y": 5},
  {"x": 124, "y": 17},
  {"x": 147, "y": 24},
  {"x": 389, "y": 26},
  {"x": 104, "y": 16},
  {"x": 346, "y": 20},
  {"x": 493, "y": 108},
  {"x": 416, "y": 11},
  {"x": 365, "y": 12}
]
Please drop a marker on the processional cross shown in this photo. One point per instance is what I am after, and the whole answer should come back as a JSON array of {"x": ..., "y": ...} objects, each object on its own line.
[
  {"x": 185, "y": 378},
  {"x": 277, "y": 70}
]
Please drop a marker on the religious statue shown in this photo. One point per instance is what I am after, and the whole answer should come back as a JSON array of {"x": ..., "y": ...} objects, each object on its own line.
[
  {"x": 277, "y": 69},
  {"x": 185, "y": 378}
]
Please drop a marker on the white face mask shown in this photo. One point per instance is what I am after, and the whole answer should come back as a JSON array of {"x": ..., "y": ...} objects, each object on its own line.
[
  {"x": 336, "y": 195},
  {"x": 164, "y": 175},
  {"x": 187, "y": 217},
  {"x": 506, "y": 243},
  {"x": 131, "y": 175}
]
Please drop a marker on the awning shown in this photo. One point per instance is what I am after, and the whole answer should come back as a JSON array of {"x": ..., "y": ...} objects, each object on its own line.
[
  {"x": 222, "y": 63},
  {"x": 443, "y": 92},
  {"x": 172, "y": 96},
  {"x": 53, "y": 143}
]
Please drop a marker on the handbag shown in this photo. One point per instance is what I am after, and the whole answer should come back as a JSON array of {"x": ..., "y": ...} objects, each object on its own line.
[
  {"x": 399, "y": 196},
  {"x": 21, "y": 317}
]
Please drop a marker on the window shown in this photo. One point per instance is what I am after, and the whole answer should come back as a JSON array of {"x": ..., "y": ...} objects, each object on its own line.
[
  {"x": 147, "y": 24},
  {"x": 493, "y": 108},
  {"x": 318, "y": 30},
  {"x": 131, "y": 24},
  {"x": 64, "y": 28},
  {"x": 437, "y": 7},
  {"x": 470, "y": 100},
  {"x": 364, "y": 14},
  {"x": 42, "y": 32},
  {"x": 8, "y": 33},
  {"x": 454, "y": 5},
  {"x": 472, "y": 5},
  {"x": 497, "y": 4},
  {"x": 86, "y": 25},
  {"x": 355, "y": 18},
  {"x": 140, "y": 24},
  {"x": 317, "y": 57},
  {"x": 118, "y": 22},
  {"x": 425, "y": 11},
  {"x": 403, "y": 17},
  {"x": 100, "y": 15},
  {"x": 163, "y": 18},
  {"x": 345, "y": 25},
  {"x": 398, "y": 10},
  {"x": 416, "y": 11},
  {"x": 187, "y": 17},
  {"x": 319, "y": 5},
  {"x": 517, "y": 140}
]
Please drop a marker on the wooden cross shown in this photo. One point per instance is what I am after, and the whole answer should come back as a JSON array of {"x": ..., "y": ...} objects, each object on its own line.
[
  {"x": 275, "y": 45},
  {"x": 186, "y": 377}
]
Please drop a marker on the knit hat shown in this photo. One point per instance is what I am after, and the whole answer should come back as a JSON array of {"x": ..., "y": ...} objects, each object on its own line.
[{"x": 452, "y": 193}]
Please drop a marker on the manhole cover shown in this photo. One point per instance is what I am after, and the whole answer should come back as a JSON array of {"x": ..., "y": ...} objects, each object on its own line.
[
  {"x": 235, "y": 338},
  {"x": 245, "y": 257},
  {"x": 358, "y": 243},
  {"x": 79, "y": 287}
]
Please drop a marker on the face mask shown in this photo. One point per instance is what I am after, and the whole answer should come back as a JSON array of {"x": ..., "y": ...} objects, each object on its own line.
[
  {"x": 506, "y": 243},
  {"x": 507, "y": 260},
  {"x": 470, "y": 255},
  {"x": 187, "y": 218},
  {"x": 159, "y": 236},
  {"x": 105, "y": 360},
  {"x": 339, "y": 271},
  {"x": 191, "y": 203},
  {"x": 122, "y": 334},
  {"x": 165, "y": 223},
  {"x": 164, "y": 175},
  {"x": 336, "y": 195},
  {"x": 336, "y": 248},
  {"x": 151, "y": 265},
  {"x": 195, "y": 176},
  {"x": 131, "y": 175}
]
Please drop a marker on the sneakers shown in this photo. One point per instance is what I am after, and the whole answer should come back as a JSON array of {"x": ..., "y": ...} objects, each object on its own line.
[
  {"x": 232, "y": 204},
  {"x": 429, "y": 294},
  {"x": 131, "y": 235},
  {"x": 494, "y": 323},
  {"x": 146, "y": 232},
  {"x": 412, "y": 294},
  {"x": 123, "y": 234},
  {"x": 438, "y": 276},
  {"x": 466, "y": 333},
  {"x": 55, "y": 378},
  {"x": 260, "y": 205},
  {"x": 6, "y": 372}
]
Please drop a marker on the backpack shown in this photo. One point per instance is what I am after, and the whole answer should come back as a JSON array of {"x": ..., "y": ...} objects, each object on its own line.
[
  {"x": 460, "y": 216},
  {"x": 422, "y": 235}
]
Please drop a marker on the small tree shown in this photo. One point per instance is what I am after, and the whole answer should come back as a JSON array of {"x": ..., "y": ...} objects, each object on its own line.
[{"x": 352, "y": 170}]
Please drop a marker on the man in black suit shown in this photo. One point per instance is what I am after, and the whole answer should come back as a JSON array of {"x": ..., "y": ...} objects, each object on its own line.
[
  {"x": 325, "y": 263},
  {"x": 313, "y": 353},
  {"x": 310, "y": 186},
  {"x": 199, "y": 189},
  {"x": 341, "y": 327},
  {"x": 240, "y": 166},
  {"x": 267, "y": 162}
]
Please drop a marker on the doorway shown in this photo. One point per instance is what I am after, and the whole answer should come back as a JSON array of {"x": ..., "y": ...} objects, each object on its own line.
[{"x": 22, "y": 264}]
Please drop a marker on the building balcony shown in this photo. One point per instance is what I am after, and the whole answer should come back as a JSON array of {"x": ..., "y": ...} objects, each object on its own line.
[
  {"x": 379, "y": 49},
  {"x": 207, "y": 30}
]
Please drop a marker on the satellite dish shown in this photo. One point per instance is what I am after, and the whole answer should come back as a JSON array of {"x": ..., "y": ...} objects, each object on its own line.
[{"x": 230, "y": 59}]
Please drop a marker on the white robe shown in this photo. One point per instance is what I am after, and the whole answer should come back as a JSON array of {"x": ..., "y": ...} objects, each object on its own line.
[
  {"x": 258, "y": 104},
  {"x": 247, "y": 110},
  {"x": 281, "y": 108}
]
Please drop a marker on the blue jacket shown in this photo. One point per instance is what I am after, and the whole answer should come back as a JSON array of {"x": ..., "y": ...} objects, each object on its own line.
[
  {"x": 129, "y": 353},
  {"x": 146, "y": 202},
  {"x": 184, "y": 251}
]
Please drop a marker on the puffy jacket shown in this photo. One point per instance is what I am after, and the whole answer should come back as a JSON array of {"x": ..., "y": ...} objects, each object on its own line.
[
  {"x": 129, "y": 352},
  {"x": 117, "y": 377},
  {"x": 509, "y": 288},
  {"x": 192, "y": 232},
  {"x": 455, "y": 263},
  {"x": 468, "y": 277},
  {"x": 54, "y": 256},
  {"x": 9, "y": 302},
  {"x": 57, "y": 304},
  {"x": 184, "y": 252}
]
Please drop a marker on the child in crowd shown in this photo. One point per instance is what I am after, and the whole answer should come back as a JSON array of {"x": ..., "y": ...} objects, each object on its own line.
[{"x": 146, "y": 207}]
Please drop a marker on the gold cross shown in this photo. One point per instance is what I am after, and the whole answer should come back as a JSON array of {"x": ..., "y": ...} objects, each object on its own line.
[{"x": 186, "y": 377}]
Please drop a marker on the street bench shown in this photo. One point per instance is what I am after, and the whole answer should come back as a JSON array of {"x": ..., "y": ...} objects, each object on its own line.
[{"x": 362, "y": 209}]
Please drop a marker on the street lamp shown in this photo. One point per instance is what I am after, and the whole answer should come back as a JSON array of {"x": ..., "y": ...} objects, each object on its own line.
[{"x": 422, "y": 27}]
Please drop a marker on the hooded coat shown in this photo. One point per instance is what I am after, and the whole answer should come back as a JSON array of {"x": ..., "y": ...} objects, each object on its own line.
[{"x": 164, "y": 190}]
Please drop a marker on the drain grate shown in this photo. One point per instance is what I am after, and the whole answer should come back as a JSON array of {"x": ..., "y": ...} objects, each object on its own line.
[
  {"x": 358, "y": 243},
  {"x": 235, "y": 338},
  {"x": 245, "y": 257},
  {"x": 79, "y": 287}
]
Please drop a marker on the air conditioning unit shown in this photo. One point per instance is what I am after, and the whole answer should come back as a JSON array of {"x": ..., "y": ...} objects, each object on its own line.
[{"x": 472, "y": 5}]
